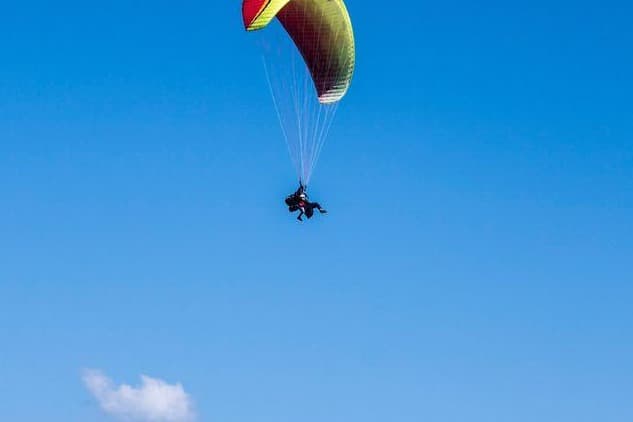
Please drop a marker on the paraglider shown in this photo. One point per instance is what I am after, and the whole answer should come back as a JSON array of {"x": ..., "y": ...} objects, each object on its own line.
[
  {"x": 299, "y": 201},
  {"x": 313, "y": 76}
]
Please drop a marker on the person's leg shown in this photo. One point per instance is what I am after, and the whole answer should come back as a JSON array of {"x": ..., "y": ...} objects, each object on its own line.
[
  {"x": 318, "y": 207},
  {"x": 301, "y": 212}
]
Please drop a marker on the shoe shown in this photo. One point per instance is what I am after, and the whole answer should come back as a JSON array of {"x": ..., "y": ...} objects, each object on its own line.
[{"x": 322, "y": 211}]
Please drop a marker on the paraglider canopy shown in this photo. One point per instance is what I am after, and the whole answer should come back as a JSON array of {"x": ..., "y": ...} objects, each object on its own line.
[{"x": 322, "y": 32}]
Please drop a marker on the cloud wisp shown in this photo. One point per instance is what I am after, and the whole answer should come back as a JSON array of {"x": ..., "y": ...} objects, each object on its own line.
[{"x": 152, "y": 401}]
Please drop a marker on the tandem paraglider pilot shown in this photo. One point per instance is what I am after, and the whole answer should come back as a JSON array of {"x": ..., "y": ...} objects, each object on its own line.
[{"x": 299, "y": 201}]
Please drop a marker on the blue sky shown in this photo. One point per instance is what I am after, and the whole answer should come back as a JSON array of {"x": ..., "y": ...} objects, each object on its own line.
[{"x": 476, "y": 264}]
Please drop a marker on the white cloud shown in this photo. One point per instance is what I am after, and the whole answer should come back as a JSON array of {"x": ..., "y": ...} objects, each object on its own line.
[{"x": 153, "y": 401}]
